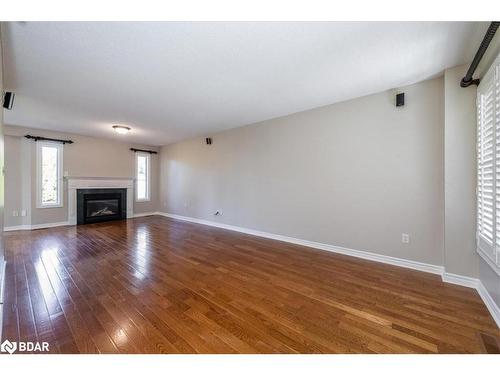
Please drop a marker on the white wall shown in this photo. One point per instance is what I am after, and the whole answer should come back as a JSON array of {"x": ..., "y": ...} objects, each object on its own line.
[{"x": 355, "y": 174}]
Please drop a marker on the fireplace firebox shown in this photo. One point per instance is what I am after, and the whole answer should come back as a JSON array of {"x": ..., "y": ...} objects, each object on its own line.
[{"x": 96, "y": 205}]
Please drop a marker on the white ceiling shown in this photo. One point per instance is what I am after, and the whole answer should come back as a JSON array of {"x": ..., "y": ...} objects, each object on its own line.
[{"x": 171, "y": 81}]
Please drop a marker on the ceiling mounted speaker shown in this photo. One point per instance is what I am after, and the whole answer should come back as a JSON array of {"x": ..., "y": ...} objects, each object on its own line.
[{"x": 8, "y": 99}]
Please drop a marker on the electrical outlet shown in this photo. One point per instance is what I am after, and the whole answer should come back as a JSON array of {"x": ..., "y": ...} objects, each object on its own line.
[
  {"x": 15, "y": 213},
  {"x": 23, "y": 212},
  {"x": 405, "y": 238}
]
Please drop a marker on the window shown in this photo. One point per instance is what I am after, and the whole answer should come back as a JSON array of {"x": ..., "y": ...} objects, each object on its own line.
[
  {"x": 49, "y": 174},
  {"x": 488, "y": 167},
  {"x": 142, "y": 162}
]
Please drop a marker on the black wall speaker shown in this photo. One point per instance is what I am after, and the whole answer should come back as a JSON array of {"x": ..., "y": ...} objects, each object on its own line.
[
  {"x": 8, "y": 100},
  {"x": 400, "y": 99},
  {"x": 208, "y": 140}
]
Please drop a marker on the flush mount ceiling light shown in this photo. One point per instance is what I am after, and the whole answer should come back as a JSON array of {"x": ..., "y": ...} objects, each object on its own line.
[{"x": 120, "y": 129}]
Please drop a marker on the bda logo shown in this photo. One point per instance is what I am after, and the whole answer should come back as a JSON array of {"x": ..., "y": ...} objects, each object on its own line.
[
  {"x": 24, "y": 346},
  {"x": 8, "y": 347}
]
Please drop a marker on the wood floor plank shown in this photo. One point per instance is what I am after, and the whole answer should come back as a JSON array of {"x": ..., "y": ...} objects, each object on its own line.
[{"x": 158, "y": 285}]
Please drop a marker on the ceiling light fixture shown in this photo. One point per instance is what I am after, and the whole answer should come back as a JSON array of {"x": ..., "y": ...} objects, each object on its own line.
[{"x": 120, "y": 129}]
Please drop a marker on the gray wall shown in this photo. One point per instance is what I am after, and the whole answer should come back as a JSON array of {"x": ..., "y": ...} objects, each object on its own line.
[
  {"x": 460, "y": 175},
  {"x": 18, "y": 183},
  {"x": 87, "y": 157},
  {"x": 355, "y": 174}
]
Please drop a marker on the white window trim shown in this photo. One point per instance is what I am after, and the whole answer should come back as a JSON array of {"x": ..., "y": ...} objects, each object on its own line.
[
  {"x": 148, "y": 176},
  {"x": 490, "y": 253},
  {"x": 60, "y": 195}
]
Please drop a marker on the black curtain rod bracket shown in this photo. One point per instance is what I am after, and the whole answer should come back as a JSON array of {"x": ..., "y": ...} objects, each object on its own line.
[
  {"x": 37, "y": 138},
  {"x": 139, "y": 150},
  {"x": 490, "y": 33}
]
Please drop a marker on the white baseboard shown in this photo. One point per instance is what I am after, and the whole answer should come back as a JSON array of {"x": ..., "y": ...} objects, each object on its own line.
[
  {"x": 60, "y": 224},
  {"x": 493, "y": 308},
  {"x": 452, "y": 278},
  {"x": 471, "y": 282},
  {"x": 146, "y": 214},
  {"x": 16, "y": 227},
  {"x": 49, "y": 225},
  {"x": 431, "y": 268},
  {"x": 35, "y": 226},
  {"x": 466, "y": 281}
]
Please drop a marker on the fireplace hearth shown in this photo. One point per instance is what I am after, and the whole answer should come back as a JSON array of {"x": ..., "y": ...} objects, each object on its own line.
[{"x": 97, "y": 205}]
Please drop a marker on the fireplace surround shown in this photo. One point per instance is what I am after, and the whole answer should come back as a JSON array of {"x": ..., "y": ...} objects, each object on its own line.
[{"x": 77, "y": 183}]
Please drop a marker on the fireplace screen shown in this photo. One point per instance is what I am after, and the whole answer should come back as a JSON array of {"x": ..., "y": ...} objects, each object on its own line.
[
  {"x": 102, "y": 207},
  {"x": 96, "y": 205}
]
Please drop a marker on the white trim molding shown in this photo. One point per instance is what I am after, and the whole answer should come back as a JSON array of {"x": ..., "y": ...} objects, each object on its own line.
[
  {"x": 492, "y": 307},
  {"x": 419, "y": 266},
  {"x": 35, "y": 226},
  {"x": 75, "y": 183},
  {"x": 145, "y": 214},
  {"x": 471, "y": 282},
  {"x": 17, "y": 227},
  {"x": 60, "y": 224},
  {"x": 60, "y": 196},
  {"x": 451, "y": 278},
  {"x": 146, "y": 155},
  {"x": 466, "y": 281}
]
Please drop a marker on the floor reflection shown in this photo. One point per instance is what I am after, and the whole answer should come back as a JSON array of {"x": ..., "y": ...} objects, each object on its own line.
[{"x": 141, "y": 253}]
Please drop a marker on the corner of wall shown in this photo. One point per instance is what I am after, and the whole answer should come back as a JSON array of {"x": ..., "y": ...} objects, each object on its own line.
[{"x": 459, "y": 175}]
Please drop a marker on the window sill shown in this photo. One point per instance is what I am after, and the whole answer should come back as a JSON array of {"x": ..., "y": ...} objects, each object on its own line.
[
  {"x": 50, "y": 206},
  {"x": 142, "y": 200}
]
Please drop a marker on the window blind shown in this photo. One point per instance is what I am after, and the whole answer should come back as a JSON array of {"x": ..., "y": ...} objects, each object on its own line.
[{"x": 488, "y": 167}]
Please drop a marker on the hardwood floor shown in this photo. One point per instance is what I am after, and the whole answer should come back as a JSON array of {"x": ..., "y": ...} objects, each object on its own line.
[{"x": 156, "y": 285}]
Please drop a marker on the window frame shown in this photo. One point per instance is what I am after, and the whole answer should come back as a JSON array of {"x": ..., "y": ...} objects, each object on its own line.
[
  {"x": 148, "y": 176},
  {"x": 60, "y": 160},
  {"x": 489, "y": 252}
]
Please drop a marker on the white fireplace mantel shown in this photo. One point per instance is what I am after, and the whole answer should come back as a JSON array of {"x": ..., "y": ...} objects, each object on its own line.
[{"x": 75, "y": 183}]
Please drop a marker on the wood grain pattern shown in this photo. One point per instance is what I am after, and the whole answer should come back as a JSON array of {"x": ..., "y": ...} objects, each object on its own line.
[{"x": 157, "y": 285}]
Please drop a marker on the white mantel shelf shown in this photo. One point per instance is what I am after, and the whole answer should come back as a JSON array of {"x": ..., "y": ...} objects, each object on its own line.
[
  {"x": 75, "y": 183},
  {"x": 96, "y": 178}
]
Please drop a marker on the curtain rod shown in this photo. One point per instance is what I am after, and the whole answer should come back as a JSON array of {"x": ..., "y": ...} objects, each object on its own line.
[
  {"x": 490, "y": 33},
  {"x": 37, "y": 138},
  {"x": 139, "y": 150}
]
